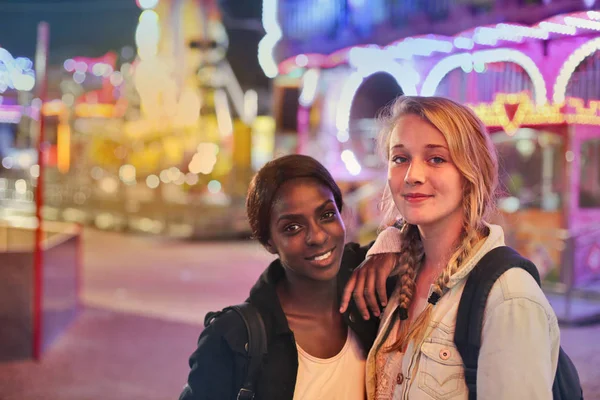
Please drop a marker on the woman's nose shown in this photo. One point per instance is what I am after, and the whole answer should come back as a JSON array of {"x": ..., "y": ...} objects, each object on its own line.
[
  {"x": 415, "y": 174},
  {"x": 316, "y": 235}
]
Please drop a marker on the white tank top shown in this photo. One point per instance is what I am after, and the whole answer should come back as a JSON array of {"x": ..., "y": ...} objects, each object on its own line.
[{"x": 341, "y": 377}]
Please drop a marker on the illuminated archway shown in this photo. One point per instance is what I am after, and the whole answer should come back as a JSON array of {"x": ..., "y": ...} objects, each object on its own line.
[
  {"x": 568, "y": 68},
  {"x": 466, "y": 61}
]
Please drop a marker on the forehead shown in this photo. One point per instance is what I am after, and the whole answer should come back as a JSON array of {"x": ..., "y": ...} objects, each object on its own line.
[
  {"x": 300, "y": 195},
  {"x": 413, "y": 131}
]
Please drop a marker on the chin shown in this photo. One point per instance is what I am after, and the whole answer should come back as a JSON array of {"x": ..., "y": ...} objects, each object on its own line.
[
  {"x": 423, "y": 221},
  {"x": 323, "y": 275},
  {"x": 326, "y": 273},
  {"x": 327, "y": 276},
  {"x": 417, "y": 218}
]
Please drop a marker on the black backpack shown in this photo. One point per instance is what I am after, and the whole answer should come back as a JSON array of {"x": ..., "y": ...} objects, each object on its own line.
[
  {"x": 469, "y": 322},
  {"x": 256, "y": 347}
]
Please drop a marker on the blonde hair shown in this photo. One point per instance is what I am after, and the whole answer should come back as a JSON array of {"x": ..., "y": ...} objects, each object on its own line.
[{"x": 474, "y": 156}]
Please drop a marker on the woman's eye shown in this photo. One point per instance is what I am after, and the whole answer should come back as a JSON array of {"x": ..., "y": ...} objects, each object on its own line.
[
  {"x": 329, "y": 215},
  {"x": 437, "y": 160},
  {"x": 399, "y": 159},
  {"x": 292, "y": 228}
]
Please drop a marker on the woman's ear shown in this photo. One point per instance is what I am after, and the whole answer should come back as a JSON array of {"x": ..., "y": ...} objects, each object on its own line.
[{"x": 270, "y": 248}]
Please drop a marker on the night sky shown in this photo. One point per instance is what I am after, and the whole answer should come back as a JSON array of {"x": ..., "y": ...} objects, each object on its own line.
[{"x": 93, "y": 27}]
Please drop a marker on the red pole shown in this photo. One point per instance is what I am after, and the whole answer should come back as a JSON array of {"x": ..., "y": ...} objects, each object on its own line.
[
  {"x": 79, "y": 266},
  {"x": 41, "y": 62}
]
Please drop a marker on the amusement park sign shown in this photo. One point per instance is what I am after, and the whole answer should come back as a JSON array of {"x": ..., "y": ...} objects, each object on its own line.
[{"x": 511, "y": 111}]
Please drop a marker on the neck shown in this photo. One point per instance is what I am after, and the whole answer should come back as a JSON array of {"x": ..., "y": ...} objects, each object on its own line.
[
  {"x": 300, "y": 295},
  {"x": 439, "y": 242}
]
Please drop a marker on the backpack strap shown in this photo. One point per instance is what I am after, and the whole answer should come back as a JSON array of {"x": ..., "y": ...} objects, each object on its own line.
[
  {"x": 469, "y": 320},
  {"x": 256, "y": 346}
]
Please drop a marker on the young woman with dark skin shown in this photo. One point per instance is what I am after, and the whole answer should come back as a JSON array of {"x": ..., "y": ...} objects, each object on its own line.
[
  {"x": 314, "y": 351},
  {"x": 308, "y": 234}
]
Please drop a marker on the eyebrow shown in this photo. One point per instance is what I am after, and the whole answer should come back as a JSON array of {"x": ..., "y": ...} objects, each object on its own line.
[
  {"x": 428, "y": 146},
  {"x": 293, "y": 216}
]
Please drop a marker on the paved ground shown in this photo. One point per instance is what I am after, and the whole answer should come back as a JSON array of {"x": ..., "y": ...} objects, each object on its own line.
[{"x": 144, "y": 301}]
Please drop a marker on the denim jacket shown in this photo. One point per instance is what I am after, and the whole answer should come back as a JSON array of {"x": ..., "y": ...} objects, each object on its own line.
[{"x": 519, "y": 352}]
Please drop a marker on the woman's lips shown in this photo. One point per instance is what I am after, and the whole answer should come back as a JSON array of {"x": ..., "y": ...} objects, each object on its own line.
[
  {"x": 416, "y": 198},
  {"x": 322, "y": 259}
]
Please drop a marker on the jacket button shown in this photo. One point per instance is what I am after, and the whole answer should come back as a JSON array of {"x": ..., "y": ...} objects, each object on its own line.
[
  {"x": 246, "y": 346},
  {"x": 444, "y": 354},
  {"x": 352, "y": 318},
  {"x": 400, "y": 378}
]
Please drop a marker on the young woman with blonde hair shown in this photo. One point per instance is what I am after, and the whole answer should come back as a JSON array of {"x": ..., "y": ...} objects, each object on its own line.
[{"x": 442, "y": 178}]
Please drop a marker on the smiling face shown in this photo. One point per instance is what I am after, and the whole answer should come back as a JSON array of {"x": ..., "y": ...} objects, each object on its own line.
[
  {"x": 426, "y": 186},
  {"x": 306, "y": 230}
]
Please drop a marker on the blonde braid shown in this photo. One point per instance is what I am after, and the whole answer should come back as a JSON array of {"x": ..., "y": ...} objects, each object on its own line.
[
  {"x": 473, "y": 230},
  {"x": 411, "y": 257},
  {"x": 467, "y": 242}
]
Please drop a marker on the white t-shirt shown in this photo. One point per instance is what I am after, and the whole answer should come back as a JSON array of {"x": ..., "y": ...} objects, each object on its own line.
[{"x": 341, "y": 377}]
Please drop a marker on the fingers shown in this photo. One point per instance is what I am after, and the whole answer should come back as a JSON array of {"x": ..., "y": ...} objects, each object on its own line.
[
  {"x": 369, "y": 293},
  {"x": 388, "y": 264},
  {"x": 347, "y": 295},
  {"x": 358, "y": 294},
  {"x": 381, "y": 289},
  {"x": 367, "y": 284}
]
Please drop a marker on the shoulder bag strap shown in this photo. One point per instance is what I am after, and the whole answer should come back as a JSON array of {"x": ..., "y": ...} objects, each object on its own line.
[
  {"x": 256, "y": 347},
  {"x": 469, "y": 320}
]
